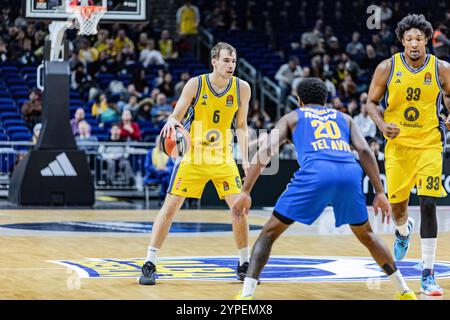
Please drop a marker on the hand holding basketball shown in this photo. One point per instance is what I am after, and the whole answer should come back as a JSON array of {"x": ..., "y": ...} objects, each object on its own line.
[{"x": 176, "y": 144}]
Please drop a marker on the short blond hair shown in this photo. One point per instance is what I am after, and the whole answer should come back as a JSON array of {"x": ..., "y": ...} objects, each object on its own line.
[{"x": 215, "y": 51}]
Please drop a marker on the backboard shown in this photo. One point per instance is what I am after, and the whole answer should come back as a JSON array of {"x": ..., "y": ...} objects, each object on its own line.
[{"x": 123, "y": 11}]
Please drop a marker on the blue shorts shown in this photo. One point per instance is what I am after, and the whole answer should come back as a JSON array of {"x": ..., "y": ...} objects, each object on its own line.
[{"x": 320, "y": 183}]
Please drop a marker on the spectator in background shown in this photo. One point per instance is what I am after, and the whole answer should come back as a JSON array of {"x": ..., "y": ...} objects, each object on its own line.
[
  {"x": 367, "y": 126},
  {"x": 132, "y": 104},
  {"x": 143, "y": 113},
  {"x": 355, "y": 48},
  {"x": 32, "y": 109},
  {"x": 352, "y": 107},
  {"x": 3, "y": 51},
  {"x": 102, "y": 41},
  {"x": 386, "y": 12},
  {"x": 166, "y": 46},
  {"x": 347, "y": 88},
  {"x": 371, "y": 60},
  {"x": 158, "y": 166},
  {"x": 122, "y": 40},
  {"x": 375, "y": 147},
  {"x": 78, "y": 117},
  {"x": 84, "y": 135},
  {"x": 100, "y": 105},
  {"x": 80, "y": 79},
  {"x": 150, "y": 55},
  {"x": 440, "y": 41},
  {"x": 27, "y": 56},
  {"x": 386, "y": 36},
  {"x": 167, "y": 86},
  {"x": 188, "y": 19},
  {"x": 86, "y": 53},
  {"x": 139, "y": 81},
  {"x": 306, "y": 72},
  {"x": 112, "y": 112},
  {"x": 132, "y": 91},
  {"x": 259, "y": 119},
  {"x": 184, "y": 77},
  {"x": 129, "y": 129},
  {"x": 286, "y": 74},
  {"x": 143, "y": 39},
  {"x": 161, "y": 110},
  {"x": 36, "y": 132}
]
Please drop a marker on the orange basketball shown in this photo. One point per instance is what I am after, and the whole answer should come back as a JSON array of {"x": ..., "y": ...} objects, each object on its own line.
[{"x": 179, "y": 146}]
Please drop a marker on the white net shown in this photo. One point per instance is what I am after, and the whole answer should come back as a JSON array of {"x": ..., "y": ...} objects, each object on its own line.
[{"x": 88, "y": 18}]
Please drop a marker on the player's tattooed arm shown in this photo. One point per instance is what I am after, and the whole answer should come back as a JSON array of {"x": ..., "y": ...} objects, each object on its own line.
[
  {"x": 186, "y": 99},
  {"x": 376, "y": 92},
  {"x": 444, "y": 78},
  {"x": 241, "y": 122},
  {"x": 366, "y": 156},
  {"x": 370, "y": 167}
]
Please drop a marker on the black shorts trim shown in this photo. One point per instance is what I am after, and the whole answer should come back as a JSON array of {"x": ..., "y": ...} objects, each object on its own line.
[
  {"x": 358, "y": 224},
  {"x": 282, "y": 218}
]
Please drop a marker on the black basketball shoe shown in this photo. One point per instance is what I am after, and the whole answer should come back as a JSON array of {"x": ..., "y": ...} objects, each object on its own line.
[
  {"x": 148, "y": 274},
  {"x": 241, "y": 271}
]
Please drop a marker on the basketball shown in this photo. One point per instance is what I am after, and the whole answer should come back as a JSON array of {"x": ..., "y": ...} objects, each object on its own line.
[{"x": 179, "y": 146}]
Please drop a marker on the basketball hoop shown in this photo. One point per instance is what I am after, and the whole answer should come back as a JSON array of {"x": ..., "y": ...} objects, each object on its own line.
[{"x": 88, "y": 17}]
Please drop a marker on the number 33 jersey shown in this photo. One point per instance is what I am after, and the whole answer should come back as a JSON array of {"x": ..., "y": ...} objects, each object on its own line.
[
  {"x": 412, "y": 101},
  {"x": 210, "y": 120}
]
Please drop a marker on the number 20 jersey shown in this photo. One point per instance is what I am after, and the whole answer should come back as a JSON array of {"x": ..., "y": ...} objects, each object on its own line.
[
  {"x": 413, "y": 102},
  {"x": 322, "y": 134}
]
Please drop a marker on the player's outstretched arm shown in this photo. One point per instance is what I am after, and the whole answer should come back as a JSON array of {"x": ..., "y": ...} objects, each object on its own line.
[
  {"x": 241, "y": 123},
  {"x": 370, "y": 166},
  {"x": 187, "y": 95},
  {"x": 376, "y": 92},
  {"x": 444, "y": 78},
  {"x": 269, "y": 148}
]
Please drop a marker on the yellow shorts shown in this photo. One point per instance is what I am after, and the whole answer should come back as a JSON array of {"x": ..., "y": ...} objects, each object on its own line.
[
  {"x": 408, "y": 167},
  {"x": 189, "y": 179}
]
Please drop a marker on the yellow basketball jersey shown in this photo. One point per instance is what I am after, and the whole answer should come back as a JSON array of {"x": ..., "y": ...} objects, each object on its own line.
[
  {"x": 210, "y": 120},
  {"x": 188, "y": 21},
  {"x": 412, "y": 100}
]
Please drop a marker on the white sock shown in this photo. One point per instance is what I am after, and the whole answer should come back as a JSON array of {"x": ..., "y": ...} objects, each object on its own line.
[
  {"x": 403, "y": 229},
  {"x": 428, "y": 252},
  {"x": 249, "y": 287},
  {"x": 244, "y": 255},
  {"x": 152, "y": 252},
  {"x": 398, "y": 281}
]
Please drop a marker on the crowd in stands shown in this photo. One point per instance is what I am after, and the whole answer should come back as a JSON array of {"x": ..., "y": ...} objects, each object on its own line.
[{"x": 123, "y": 74}]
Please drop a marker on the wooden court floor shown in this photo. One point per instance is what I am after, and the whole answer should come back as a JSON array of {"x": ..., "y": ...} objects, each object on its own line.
[{"x": 27, "y": 270}]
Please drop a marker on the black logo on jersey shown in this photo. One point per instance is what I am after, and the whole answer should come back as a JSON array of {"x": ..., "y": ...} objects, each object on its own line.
[
  {"x": 204, "y": 103},
  {"x": 398, "y": 81},
  {"x": 411, "y": 114}
]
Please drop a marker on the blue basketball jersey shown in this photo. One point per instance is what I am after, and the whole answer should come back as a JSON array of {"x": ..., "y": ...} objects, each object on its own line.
[{"x": 322, "y": 134}]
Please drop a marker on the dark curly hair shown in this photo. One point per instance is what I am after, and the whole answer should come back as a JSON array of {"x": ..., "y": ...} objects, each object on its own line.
[
  {"x": 416, "y": 21},
  {"x": 312, "y": 91}
]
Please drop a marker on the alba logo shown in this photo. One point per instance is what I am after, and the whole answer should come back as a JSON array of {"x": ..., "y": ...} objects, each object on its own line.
[
  {"x": 61, "y": 167},
  {"x": 278, "y": 269},
  {"x": 411, "y": 114}
]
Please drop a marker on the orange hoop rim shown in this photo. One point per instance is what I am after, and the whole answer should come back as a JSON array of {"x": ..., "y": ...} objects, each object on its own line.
[{"x": 87, "y": 10}]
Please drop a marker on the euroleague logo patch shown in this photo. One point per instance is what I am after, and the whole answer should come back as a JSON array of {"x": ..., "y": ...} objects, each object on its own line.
[{"x": 278, "y": 269}]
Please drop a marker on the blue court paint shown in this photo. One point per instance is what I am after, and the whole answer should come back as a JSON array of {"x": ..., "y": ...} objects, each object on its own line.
[
  {"x": 278, "y": 268},
  {"x": 121, "y": 226}
]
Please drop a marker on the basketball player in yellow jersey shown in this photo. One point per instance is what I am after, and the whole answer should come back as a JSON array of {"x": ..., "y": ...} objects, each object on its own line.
[
  {"x": 412, "y": 85},
  {"x": 214, "y": 100}
]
